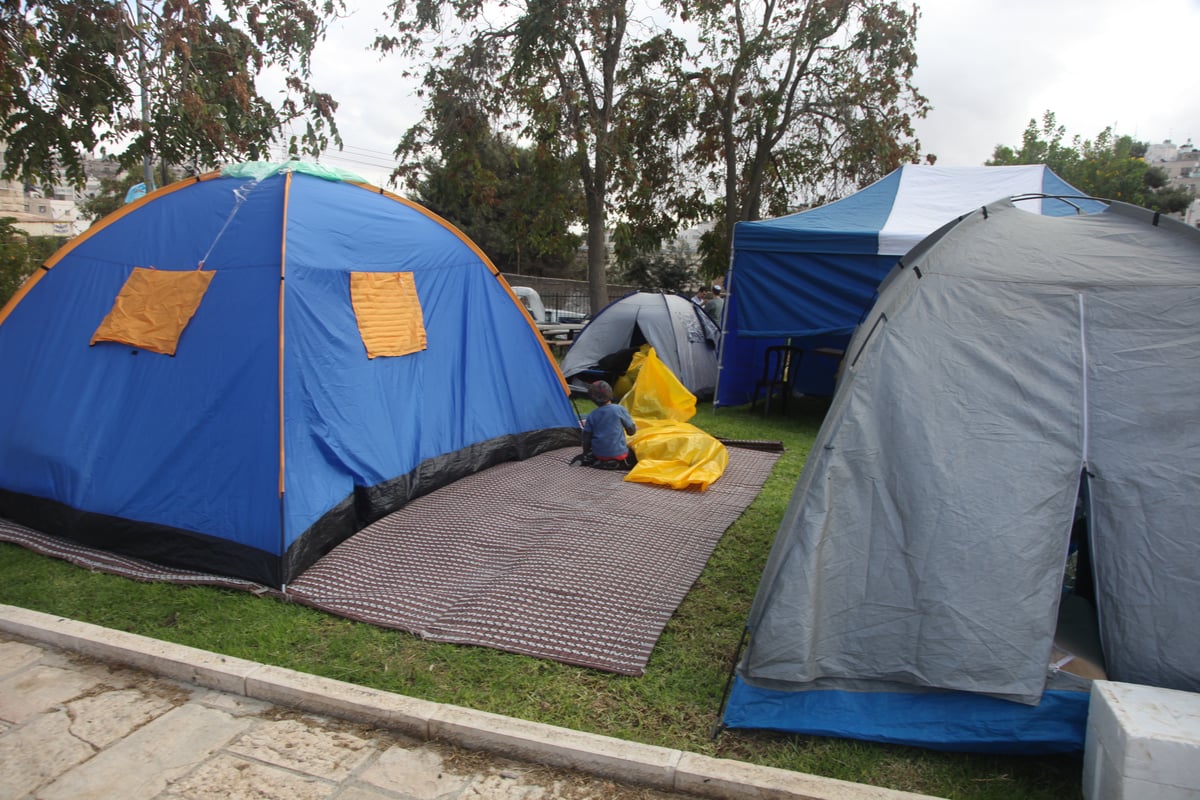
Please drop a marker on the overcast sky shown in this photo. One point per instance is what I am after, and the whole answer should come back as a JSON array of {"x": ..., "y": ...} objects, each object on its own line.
[{"x": 987, "y": 67}]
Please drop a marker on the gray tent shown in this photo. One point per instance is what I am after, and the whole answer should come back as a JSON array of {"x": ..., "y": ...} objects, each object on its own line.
[
  {"x": 682, "y": 335},
  {"x": 1021, "y": 377}
]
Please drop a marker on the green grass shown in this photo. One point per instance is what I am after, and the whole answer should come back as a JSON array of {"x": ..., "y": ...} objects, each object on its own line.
[{"x": 675, "y": 704}]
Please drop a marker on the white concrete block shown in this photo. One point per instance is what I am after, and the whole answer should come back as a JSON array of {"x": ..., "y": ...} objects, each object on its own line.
[{"x": 1142, "y": 742}]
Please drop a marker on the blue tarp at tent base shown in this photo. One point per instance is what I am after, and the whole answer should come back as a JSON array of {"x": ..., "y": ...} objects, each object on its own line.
[
  {"x": 269, "y": 436},
  {"x": 808, "y": 278},
  {"x": 957, "y": 721}
]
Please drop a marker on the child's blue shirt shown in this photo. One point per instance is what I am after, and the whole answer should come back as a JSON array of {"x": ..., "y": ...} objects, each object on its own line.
[{"x": 608, "y": 425}]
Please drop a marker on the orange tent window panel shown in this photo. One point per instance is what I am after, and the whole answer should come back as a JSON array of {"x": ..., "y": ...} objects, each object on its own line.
[
  {"x": 388, "y": 312},
  {"x": 153, "y": 308}
]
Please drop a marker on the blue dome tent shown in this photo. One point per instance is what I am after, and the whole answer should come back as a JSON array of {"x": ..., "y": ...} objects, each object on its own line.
[{"x": 238, "y": 371}]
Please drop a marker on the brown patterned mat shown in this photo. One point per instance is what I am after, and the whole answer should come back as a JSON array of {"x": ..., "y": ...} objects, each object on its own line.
[
  {"x": 126, "y": 567},
  {"x": 536, "y": 557}
]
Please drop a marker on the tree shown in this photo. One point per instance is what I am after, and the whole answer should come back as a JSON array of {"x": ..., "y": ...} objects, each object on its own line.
[
  {"x": 659, "y": 271},
  {"x": 111, "y": 195},
  {"x": 1112, "y": 167},
  {"x": 518, "y": 204},
  {"x": 587, "y": 81},
  {"x": 114, "y": 190},
  {"x": 1042, "y": 145},
  {"x": 1162, "y": 196},
  {"x": 515, "y": 206},
  {"x": 171, "y": 80},
  {"x": 799, "y": 96},
  {"x": 20, "y": 255}
]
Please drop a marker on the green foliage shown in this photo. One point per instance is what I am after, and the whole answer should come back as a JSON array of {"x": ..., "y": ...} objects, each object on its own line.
[
  {"x": 113, "y": 191},
  {"x": 519, "y": 204},
  {"x": 173, "y": 80},
  {"x": 111, "y": 195},
  {"x": 714, "y": 252},
  {"x": 61, "y": 79},
  {"x": 674, "y": 704},
  {"x": 14, "y": 259},
  {"x": 1110, "y": 166},
  {"x": 20, "y": 255},
  {"x": 592, "y": 82},
  {"x": 776, "y": 99},
  {"x": 665, "y": 271},
  {"x": 1042, "y": 145},
  {"x": 799, "y": 97}
]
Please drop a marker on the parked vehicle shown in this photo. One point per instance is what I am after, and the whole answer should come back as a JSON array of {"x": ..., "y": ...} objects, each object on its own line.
[
  {"x": 546, "y": 316},
  {"x": 558, "y": 327}
]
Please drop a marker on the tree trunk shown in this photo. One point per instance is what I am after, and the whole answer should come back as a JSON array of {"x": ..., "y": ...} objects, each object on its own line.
[{"x": 597, "y": 264}]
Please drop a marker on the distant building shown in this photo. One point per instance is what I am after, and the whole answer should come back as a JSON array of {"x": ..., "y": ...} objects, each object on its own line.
[
  {"x": 53, "y": 211},
  {"x": 1182, "y": 165}
]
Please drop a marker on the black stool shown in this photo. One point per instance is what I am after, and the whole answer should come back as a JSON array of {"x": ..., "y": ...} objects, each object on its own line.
[{"x": 778, "y": 363}]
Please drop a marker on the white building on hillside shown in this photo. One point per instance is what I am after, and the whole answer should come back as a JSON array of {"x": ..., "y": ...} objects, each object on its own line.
[{"x": 38, "y": 212}]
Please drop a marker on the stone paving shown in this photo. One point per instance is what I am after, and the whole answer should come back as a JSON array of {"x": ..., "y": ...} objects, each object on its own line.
[
  {"x": 72, "y": 728},
  {"x": 90, "y": 712}
]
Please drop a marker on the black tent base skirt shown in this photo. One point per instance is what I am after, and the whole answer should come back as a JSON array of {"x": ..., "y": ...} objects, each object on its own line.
[{"x": 202, "y": 552}]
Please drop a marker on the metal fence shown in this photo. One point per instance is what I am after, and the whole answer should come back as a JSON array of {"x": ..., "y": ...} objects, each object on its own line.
[{"x": 571, "y": 302}]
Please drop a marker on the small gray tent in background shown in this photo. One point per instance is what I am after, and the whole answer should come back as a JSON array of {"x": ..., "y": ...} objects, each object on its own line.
[
  {"x": 1025, "y": 387},
  {"x": 682, "y": 335}
]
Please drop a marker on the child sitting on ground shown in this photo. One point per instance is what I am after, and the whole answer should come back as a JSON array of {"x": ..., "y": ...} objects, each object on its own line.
[{"x": 604, "y": 430}]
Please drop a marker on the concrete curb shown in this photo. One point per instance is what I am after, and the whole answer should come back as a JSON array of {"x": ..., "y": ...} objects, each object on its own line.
[{"x": 604, "y": 756}]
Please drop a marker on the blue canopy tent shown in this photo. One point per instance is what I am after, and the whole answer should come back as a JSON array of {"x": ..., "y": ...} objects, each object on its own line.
[
  {"x": 809, "y": 278},
  {"x": 338, "y": 352}
]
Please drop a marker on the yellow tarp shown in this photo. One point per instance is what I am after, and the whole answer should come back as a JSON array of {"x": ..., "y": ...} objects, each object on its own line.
[
  {"x": 670, "y": 451},
  {"x": 625, "y": 382},
  {"x": 153, "y": 308},
  {"x": 388, "y": 312}
]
